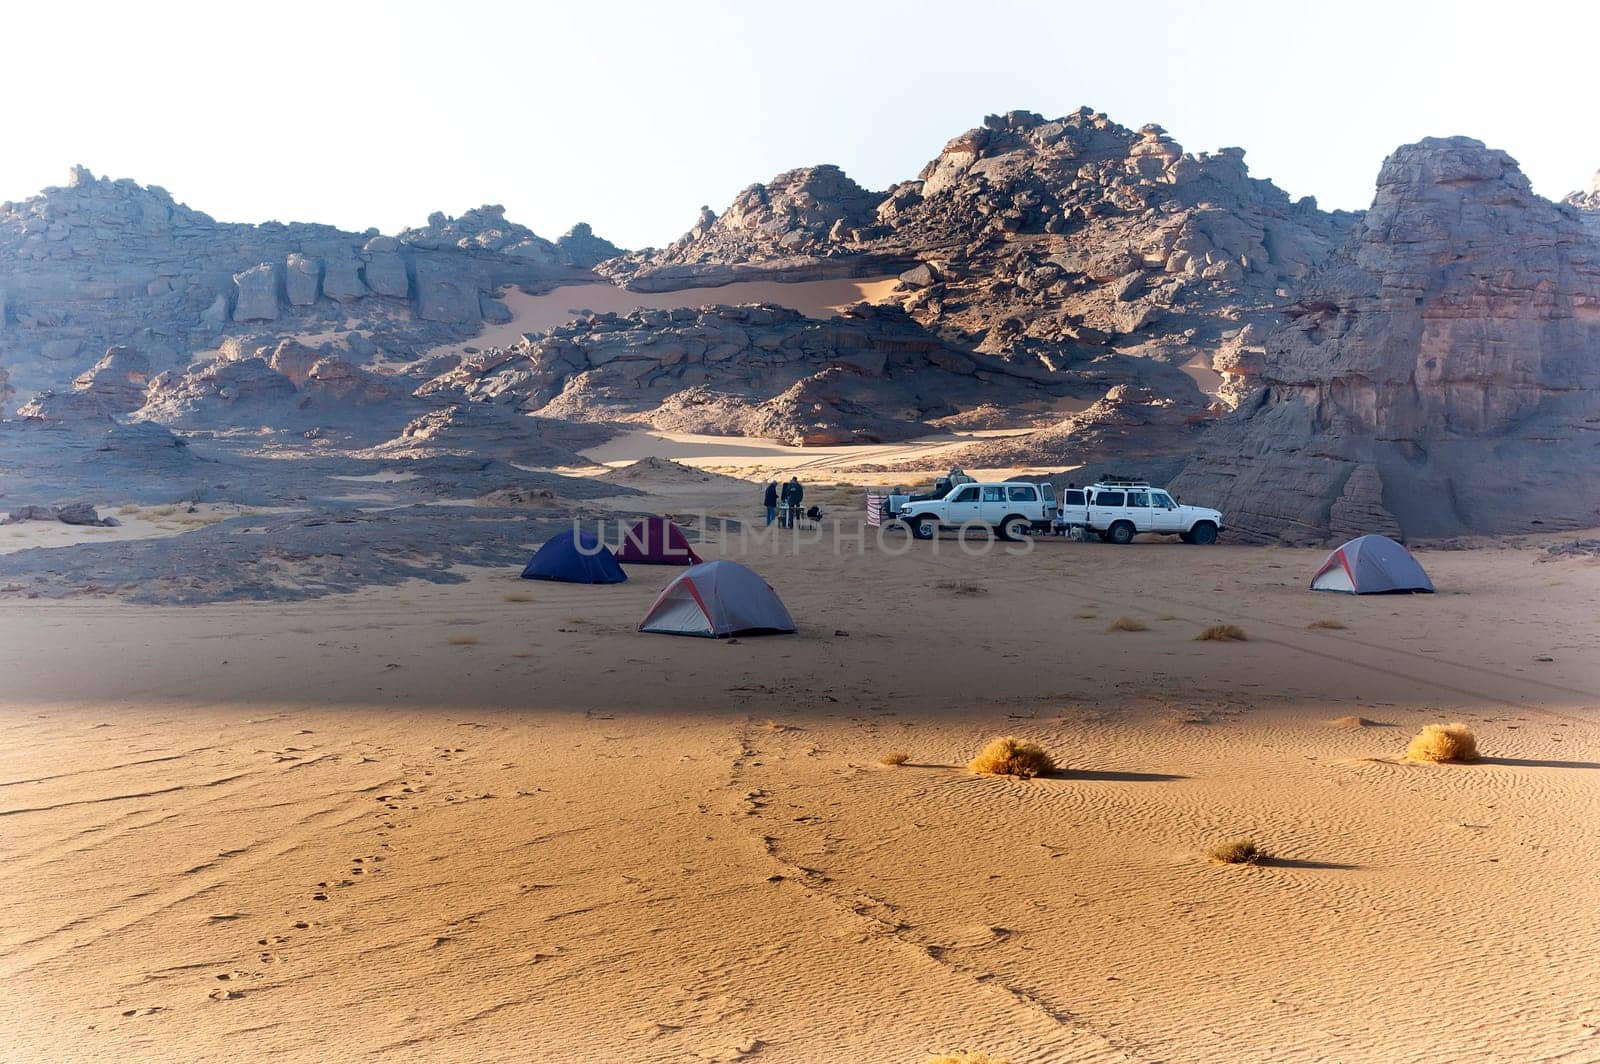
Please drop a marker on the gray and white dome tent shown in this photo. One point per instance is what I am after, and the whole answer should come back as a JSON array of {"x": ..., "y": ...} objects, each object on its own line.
[
  {"x": 1371, "y": 565},
  {"x": 717, "y": 599}
]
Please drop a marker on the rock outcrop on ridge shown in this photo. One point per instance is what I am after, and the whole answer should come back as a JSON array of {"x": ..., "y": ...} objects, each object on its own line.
[
  {"x": 485, "y": 229},
  {"x": 1588, "y": 204},
  {"x": 1440, "y": 375},
  {"x": 1589, "y": 200},
  {"x": 114, "y": 385},
  {"x": 101, "y": 263},
  {"x": 286, "y": 387},
  {"x": 809, "y": 222}
]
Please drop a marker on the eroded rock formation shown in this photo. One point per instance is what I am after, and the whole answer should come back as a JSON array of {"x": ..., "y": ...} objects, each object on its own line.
[
  {"x": 114, "y": 385},
  {"x": 286, "y": 387},
  {"x": 1440, "y": 375},
  {"x": 872, "y": 374}
]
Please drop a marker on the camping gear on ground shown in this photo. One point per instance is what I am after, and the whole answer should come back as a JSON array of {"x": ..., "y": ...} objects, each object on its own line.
[
  {"x": 717, "y": 599},
  {"x": 656, "y": 541},
  {"x": 1371, "y": 565},
  {"x": 576, "y": 558}
]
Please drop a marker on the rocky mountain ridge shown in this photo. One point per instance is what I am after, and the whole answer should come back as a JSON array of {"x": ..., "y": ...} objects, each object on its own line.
[
  {"x": 1033, "y": 239},
  {"x": 98, "y": 264}
]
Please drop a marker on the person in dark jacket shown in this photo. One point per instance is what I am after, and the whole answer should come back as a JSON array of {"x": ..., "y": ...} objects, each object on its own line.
[
  {"x": 793, "y": 495},
  {"x": 770, "y": 500}
]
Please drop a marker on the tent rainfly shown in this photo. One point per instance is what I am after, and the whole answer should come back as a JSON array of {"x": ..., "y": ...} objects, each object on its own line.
[
  {"x": 656, "y": 541},
  {"x": 1371, "y": 565},
  {"x": 576, "y": 558},
  {"x": 717, "y": 599}
]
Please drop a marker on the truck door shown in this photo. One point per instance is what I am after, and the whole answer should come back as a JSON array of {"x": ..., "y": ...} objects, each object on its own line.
[
  {"x": 1024, "y": 500},
  {"x": 1104, "y": 508},
  {"x": 992, "y": 507},
  {"x": 1139, "y": 510},
  {"x": 962, "y": 506},
  {"x": 1074, "y": 509},
  {"x": 1164, "y": 513}
]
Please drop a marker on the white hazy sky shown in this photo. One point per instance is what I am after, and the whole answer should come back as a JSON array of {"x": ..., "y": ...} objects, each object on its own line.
[{"x": 630, "y": 115}]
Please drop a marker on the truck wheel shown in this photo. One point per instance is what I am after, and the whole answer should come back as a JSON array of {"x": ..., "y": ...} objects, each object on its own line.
[
  {"x": 1120, "y": 533},
  {"x": 1185, "y": 537},
  {"x": 1014, "y": 528},
  {"x": 920, "y": 529},
  {"x": 1204, "y": 533}
]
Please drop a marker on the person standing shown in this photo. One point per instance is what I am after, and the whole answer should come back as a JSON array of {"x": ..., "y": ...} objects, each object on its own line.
[
  {"x": 793, "y": 495},
  {"x": 770, "y": 501}
]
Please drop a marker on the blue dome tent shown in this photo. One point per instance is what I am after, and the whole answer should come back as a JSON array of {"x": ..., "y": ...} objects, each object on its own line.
[{"x": 576, "y": 558}]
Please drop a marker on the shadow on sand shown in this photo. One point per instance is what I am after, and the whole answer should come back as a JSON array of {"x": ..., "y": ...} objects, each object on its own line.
[
  {"x": 1528, "y": 762},
  {"x": 1290, "y": 862},
  {"x": 1113, "y": 776}
]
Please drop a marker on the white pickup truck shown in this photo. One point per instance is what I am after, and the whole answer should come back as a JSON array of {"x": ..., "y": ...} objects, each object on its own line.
[
  {"x": 1012, "y": 508},
  {"x": 1120, "y": 510}
]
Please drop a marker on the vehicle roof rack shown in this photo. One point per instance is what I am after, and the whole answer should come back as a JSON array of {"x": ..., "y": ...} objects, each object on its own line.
[{"x": 1130, "y": 482}]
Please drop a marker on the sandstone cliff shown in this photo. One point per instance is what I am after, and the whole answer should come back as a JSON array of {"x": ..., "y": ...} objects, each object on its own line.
[{"x": 1440, "y": 375}]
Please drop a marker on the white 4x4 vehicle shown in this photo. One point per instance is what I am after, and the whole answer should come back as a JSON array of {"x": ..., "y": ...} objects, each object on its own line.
[
  {"x": 1012, "y": 509},
  {"x": 1118, "y": 511}
]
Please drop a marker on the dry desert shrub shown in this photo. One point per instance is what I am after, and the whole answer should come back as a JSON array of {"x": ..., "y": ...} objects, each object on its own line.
[
  {"x": 1086, "y": 616},
  {"x": 1237, "y": 851},
  {"x": 1222, "y": 633},
  {"x": 776, "y": 725},
  {"x": 463, "y": 640},
  {"x": 1127, "y": 624},
  {"x": 128, "y": 509},
  {"x": 1443, "y": 742},
  {"x": 517, "y": 596},
  {"x": 897, "y": 757},
  {"x": 965, "y": 1056},
  {"x": 1011, "y": 756},
  {"x": 1330, "y": 625},
  {"x": 961, "y": 587}
]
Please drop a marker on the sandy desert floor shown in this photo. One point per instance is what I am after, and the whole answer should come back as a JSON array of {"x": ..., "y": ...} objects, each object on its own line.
[{"x": 491, "y": 821}]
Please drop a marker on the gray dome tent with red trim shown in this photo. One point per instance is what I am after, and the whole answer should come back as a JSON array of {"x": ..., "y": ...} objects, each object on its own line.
[
  {"x": 717, "y": 599},
  {"x": 1371, "y": 565}
]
